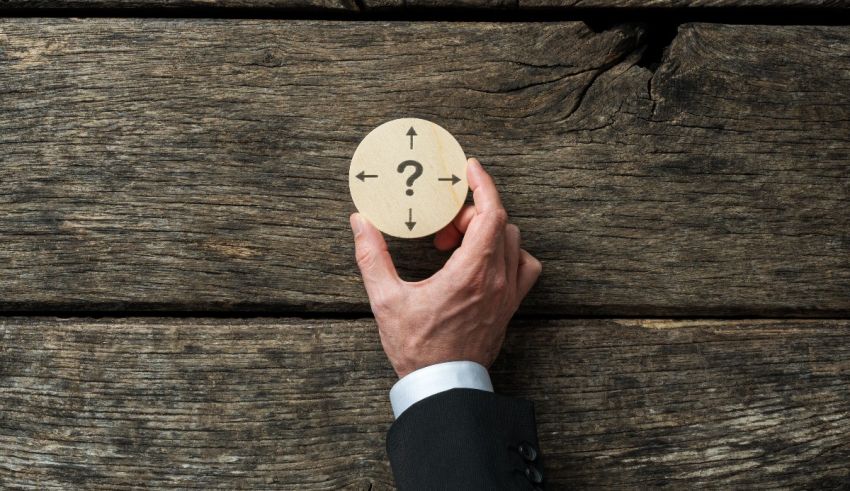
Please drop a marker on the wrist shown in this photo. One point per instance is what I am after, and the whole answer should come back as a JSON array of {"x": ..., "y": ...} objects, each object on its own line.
[
  {"x": 404, "y": 368},
  {"x": 433, "y": 379}
]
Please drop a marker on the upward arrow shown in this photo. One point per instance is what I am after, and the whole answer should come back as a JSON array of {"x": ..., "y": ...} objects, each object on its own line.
[
  {"x": 410, "y": 223},
  {"x": 411, "y": 133}
]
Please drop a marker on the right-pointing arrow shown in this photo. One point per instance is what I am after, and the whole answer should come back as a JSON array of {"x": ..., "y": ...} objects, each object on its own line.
[
  {"x": 455, "y": 179},
  {"x": 410, "y": 223}
]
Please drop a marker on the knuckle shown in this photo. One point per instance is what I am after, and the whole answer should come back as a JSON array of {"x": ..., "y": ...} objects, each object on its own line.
[
  {"x": 366, "y": 258},
  {"x": 499, "y": 282},
  {"x": 499, "y": 217},
  {"x": 476, "y": 282},
  {"x": 488, "y": 251}
]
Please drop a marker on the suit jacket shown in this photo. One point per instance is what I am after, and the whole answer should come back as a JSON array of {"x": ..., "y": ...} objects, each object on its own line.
[{"x": 466, "y": 439}]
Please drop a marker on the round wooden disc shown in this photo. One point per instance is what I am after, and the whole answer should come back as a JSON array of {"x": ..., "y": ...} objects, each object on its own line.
[{"x": 408, "y": 177}]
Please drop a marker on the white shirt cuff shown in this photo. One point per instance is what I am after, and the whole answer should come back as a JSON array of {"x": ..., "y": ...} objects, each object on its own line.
[{"x": 433, "y": 379}]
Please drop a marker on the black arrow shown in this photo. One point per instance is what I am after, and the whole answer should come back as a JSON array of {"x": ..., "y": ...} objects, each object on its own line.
[
  {"x": 410, "y": 223},
  {"x": 363, "y": 175},
  {"x": 411, "y": 133},
  {"x": 455, "y": 179}
]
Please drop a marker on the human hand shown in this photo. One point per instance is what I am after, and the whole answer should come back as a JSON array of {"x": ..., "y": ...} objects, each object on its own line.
[{"x": 462, "y": 311}]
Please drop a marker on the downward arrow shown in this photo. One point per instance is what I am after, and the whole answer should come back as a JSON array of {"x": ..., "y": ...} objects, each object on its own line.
[
  {"x": 410, "y": 223},
  {"x": 411, "y": 133},
  {"x": 363, "y": 175},
  {"x": 455, "y": 179}
]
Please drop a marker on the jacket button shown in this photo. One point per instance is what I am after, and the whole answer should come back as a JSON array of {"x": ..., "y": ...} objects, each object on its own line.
[
  {"x": 533, "y": 474},
  {"x": 527, "y": 451}
]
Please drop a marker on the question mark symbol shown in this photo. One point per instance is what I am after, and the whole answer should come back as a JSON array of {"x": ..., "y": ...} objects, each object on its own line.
[{"x": 417, "y": 171}]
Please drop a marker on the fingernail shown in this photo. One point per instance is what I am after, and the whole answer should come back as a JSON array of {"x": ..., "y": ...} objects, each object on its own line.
[
  {"x": 473, "y": 161},
  {"x": 355, "y": 224}
]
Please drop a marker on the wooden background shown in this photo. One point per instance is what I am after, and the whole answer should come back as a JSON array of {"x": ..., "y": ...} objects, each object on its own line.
[{"x": 179, "y": 302}]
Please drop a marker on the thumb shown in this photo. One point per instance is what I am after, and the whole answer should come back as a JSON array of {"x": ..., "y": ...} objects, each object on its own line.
[{"x": 373, "y": 258}]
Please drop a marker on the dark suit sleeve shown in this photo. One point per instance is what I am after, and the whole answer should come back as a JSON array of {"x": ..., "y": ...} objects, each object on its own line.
[{"x": 466, "y": 439}]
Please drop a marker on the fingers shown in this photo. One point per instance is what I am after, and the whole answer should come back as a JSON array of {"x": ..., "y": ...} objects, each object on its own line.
[
  {"x": 485, "y": 229},
  {"x": 451, "y": 235},
  {"x": 464, "y": 216},
  {"x": 448, "y": 238},
  {"x": 497, "y": 262},
  {"x": 484, "y": 191},
  {"x": 512, "y": 241},
  {"x": 527, "y": 274},
  {"x": 373, "y": 258},
  {"x": 486, "y": 197}
]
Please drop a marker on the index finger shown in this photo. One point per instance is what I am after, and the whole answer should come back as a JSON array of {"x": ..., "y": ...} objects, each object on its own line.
[
  {"x": 483, "y": 187},
  {"x": 484, "y": 235}
]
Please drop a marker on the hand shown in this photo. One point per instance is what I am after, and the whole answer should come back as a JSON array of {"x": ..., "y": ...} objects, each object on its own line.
[{"x": 462, "y": 311}]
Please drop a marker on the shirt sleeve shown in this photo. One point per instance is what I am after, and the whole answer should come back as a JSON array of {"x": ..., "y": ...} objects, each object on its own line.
[{"x": 433, "y": 379}]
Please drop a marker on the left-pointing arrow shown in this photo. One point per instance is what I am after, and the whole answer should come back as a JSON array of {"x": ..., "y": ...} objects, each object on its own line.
[{"x": 363, "y": 175}]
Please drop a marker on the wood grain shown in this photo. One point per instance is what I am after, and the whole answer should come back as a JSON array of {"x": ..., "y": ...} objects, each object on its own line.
[
  {"x": 199, "y": 165},
  {"x": 604, "y": 4},
  {"x": 303, "y": 5},
  {"x": 295, "y": 403},
  {"x": 682, "y": 4},
  {"x": 353, "y": 5}
]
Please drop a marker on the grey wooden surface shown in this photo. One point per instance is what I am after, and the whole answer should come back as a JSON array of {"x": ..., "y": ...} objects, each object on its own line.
[
  {"x": 200, "y": 165},
  {"x": 195, "y": 165},
  {"x": 354, "y": 5},
  {"x": 200, "y": 5},
  {"x": 302, "y": 404},
  {"x": 606, "y": 4}
]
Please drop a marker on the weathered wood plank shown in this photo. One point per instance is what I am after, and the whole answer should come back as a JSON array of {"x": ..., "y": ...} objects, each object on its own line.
[
  {"x": 294, "y": 403},
  {"x": 683, "y": 3},
  {"x": 605, "y": 4},
  {"x": 201, "y": 164},
  {"x": 352, "y": 5},
  {"x": 334, "y": 5}
]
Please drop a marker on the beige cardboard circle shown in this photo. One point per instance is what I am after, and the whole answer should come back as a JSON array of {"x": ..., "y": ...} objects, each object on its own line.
[{"x": 389, "y": 159}]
